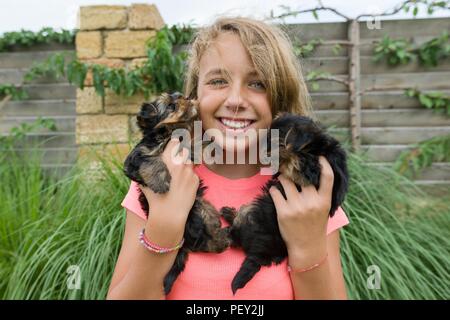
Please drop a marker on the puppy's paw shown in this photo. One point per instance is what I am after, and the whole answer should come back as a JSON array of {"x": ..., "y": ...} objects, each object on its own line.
[{"x": 228, "y": 213}]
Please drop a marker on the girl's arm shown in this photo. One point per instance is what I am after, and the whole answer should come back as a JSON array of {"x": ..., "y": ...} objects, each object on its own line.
[
  {"x": 324, "y": 282},
  {"x": 303, "y": 219},
  {"x": 139, "y": 273}
]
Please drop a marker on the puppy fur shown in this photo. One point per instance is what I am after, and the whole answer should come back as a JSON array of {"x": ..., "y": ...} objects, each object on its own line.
[
  {"x": 254, "y": 227},
  {"x": 157, "y": 120}
]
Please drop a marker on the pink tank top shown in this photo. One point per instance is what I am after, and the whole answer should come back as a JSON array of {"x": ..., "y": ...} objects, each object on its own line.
[{"x": 208, "y": 276}]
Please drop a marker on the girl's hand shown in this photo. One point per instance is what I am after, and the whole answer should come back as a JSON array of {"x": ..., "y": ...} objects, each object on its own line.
[
  {"x": 172, "y": 208},
  {"x": 303, "y": 217}
]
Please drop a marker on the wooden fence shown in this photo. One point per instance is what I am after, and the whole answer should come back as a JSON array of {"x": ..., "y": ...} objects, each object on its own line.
[
  {"x": 48, "y": 98},
  {"x": 389, "y": 121}
]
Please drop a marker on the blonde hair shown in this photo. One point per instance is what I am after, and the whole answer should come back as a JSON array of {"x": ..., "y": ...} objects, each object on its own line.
[{"x": 273, "y": 57}]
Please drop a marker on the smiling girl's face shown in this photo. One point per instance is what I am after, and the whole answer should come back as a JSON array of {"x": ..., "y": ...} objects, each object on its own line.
[{"x": 231, "y": 95}]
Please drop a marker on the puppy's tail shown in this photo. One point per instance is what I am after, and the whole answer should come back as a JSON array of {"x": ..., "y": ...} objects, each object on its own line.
[
  {"x": 248, "y": 269},
  {"x": 177, "y": 268}
]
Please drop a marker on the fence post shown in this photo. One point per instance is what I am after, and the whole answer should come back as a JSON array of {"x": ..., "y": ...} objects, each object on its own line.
[{"x": 354, "y": 84}]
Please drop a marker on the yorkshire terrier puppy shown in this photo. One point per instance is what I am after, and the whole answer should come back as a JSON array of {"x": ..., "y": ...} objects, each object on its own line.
[
  {"x": 157, "y": 121},
  {"x": 255, "y": 227}
]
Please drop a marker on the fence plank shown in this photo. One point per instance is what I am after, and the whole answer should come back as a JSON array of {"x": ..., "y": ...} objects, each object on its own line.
[
  {"x": 49, "y": 156},
  {"x": 46, "y": 140},
  {"x": 50, "y": 91},
  {"x": 325, "y": 31},
  {"x": 63, "y": 123},
  {"x": 333, "y": 65},
  {"x": 406, "y": 28},
  {"x": 393, "y": 81},
  {"x": 45, "y": 108},
  {"x": 385, "y": 118},
  {"x": 395, "y": 99},
  {"x": 368, "y": 66},
  {"x": 438, "y": 171},
  {"x": 392, "y": 135},
  {"x": 9, "y": 60},
  {"x": 16, "y": 76},
  {"x": 384, "y": 153}
]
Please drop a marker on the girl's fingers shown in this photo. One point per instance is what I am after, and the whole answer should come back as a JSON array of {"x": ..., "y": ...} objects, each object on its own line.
[
  {"x": 146, "y": 190},
  {"x": 308, "y": 192},
  {"x": 185, "y": 155},
  {"x": 278, "y": 199},
  {"x": 174, "y": 152},
  {"x": 289, "y": 187},
  {"x": 326, "y": 178}
]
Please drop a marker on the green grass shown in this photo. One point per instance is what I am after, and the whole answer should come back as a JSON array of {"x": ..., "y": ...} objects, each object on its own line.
[{"x": 47, "y": 225}]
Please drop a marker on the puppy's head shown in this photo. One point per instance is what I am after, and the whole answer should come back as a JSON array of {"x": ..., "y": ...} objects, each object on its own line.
[
  {"x": 296, "y": 133},
  {"x": 167, "y": 113},
  {"x": 301, "y": 142},
  {"x": 297, "y": 137}
]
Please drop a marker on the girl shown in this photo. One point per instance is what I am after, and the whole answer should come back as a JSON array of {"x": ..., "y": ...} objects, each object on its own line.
[{"x": 242, "y": 72}]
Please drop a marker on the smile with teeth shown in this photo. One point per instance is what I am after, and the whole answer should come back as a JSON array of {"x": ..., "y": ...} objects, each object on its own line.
[{"x": 236, "y": 124}]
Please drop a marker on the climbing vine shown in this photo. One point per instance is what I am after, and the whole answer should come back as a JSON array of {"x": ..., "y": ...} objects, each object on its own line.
[
  {"x": 12, "y": 91},
  {"x": 402, "y": 51},
  {"x": 434, "y": 100},
  {"x": 422, "y": 155},
  {"x": 18, "y": 132},
  {"x": 303, "y": 50},
  {"x": 162, "y": 71},
  {"x": 27, "y": 38}
]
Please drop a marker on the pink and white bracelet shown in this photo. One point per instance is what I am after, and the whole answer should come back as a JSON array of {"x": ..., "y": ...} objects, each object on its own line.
[{"x": 154, "y": 247}]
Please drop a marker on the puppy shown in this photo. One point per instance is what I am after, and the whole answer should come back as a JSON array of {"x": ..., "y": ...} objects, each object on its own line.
[
  {"x": 158, "y": 120},
  {"x": 255, "y": 227}
]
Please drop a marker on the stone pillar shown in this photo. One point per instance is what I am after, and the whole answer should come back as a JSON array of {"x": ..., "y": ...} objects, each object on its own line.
[{"x": 114, "y": 36}]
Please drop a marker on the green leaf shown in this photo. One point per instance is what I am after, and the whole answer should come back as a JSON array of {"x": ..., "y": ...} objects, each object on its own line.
[
  {"x": 337, "y": 49},
  {"x": 425, "y": 101}
]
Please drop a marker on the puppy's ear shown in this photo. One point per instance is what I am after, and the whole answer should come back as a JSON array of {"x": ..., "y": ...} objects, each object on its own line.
[
  {"x": 147, "y": 117},
  {"x": 184, "y": 111}
]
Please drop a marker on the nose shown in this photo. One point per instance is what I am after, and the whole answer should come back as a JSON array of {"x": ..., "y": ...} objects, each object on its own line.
[{"x": 236, "y": 100}]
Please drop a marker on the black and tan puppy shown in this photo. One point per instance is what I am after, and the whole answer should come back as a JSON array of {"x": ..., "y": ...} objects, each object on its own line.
[
  {"x": 255, "y": 227},
  {"x": 158, "y": 120}
]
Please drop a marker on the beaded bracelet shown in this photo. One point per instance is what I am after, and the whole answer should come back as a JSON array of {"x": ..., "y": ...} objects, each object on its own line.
[
  {"x": 154, "y": 247},
  {"x": 309, "y": 268}
]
